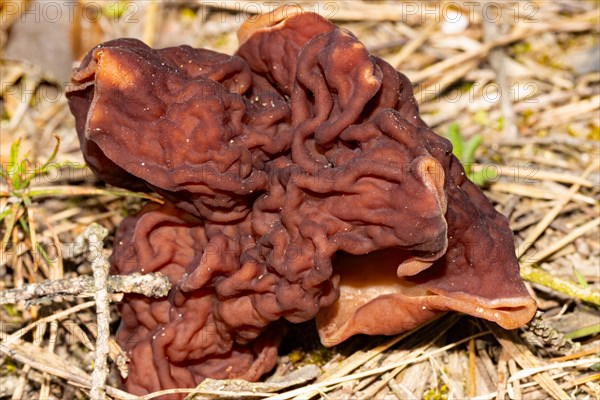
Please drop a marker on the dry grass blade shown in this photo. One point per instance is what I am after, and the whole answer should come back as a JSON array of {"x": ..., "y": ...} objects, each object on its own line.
[
  {"x": 337, "y": 11},
  {"x": 410, "y": 47},
  {"x": 568, "y": 112},
  {"x": 559, "y": 244},
  {"x": 499, "y": 62},
  {"x": 519, "y": 34},
  {"x": 539, "y": 193},
  {"x": 14, "y": 337},
  {"x": 472, "y": 372},
  {"x": 45, "y": 361},
  {"x": 582, "y": 380},
  {"x": 308, "y": 391},
  {"x": 566, "y": 364},
  {"x": 13, "y": 213},
  {"x": 150, "y": 18},
  {"x": 45, "y": 390},
  {"x": 547, "y": 220},
  {"x": 361, "y": 357},
  {"x": 519, "y": 352},
  {"x": 494, "y": 171},
  {"x": 579, "y": 354},
  {"x": 58, "y": 190},
  {"x": 445, "y": 80},
  {"x": 502, "y": 375}
]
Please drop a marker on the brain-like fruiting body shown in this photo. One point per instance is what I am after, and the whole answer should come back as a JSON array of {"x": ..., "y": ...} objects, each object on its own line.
[{"x": 299, "y": 182}]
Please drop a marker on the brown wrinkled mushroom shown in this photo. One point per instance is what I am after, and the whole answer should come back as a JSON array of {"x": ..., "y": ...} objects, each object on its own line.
[
  {"x": 180, "y": 340},
  {"x": 300, "y": 183}
]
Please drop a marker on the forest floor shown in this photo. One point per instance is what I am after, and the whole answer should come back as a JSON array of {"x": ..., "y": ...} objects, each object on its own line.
[{"x": 517, "y": 81}]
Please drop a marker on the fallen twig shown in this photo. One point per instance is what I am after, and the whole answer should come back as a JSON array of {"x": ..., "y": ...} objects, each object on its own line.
[
  {"x": 572, "y": 289},
  {"x": 149, "y": 285},
  {"x": 94, "y": 235}
]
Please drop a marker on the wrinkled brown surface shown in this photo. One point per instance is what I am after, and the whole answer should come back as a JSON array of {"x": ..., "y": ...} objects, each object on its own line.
[
  {"x": 300, "y": 181},
  {"x": 180, "y": 340}
]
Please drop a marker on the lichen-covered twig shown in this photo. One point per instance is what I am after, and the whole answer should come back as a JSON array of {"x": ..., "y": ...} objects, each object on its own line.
[
  {"x": 94, "y": 235},
  {"x": 539, "y": 276},
  {"x": 150, "y": 285}
]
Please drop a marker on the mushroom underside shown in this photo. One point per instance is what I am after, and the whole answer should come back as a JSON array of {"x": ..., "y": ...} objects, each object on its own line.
[{"x": 384, "y": 303}]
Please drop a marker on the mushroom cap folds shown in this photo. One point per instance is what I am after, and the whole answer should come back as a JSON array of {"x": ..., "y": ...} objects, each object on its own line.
[{"x": 300, "y": 182}]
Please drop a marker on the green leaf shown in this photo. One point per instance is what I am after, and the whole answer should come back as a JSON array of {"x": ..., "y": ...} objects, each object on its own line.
[
  {"x": 13, "y": 156},
  {"x": 44, "y": 167},
  {"x": 468, "y": 155},
  {"x": 5, "y": 214},
  {"x": 9, "y": 223},
  {"x": 465, "y": 152},
  {"x": 580, "y": 279},
  {"x": 481, "y": 117},
  {"x": 14, "y": 151},
  {"x": 583, "y": 332},
  {"x": 115, "y": 9},
  {"x": 478, "y": 178},
  {"x": 456, "y": 140}
]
